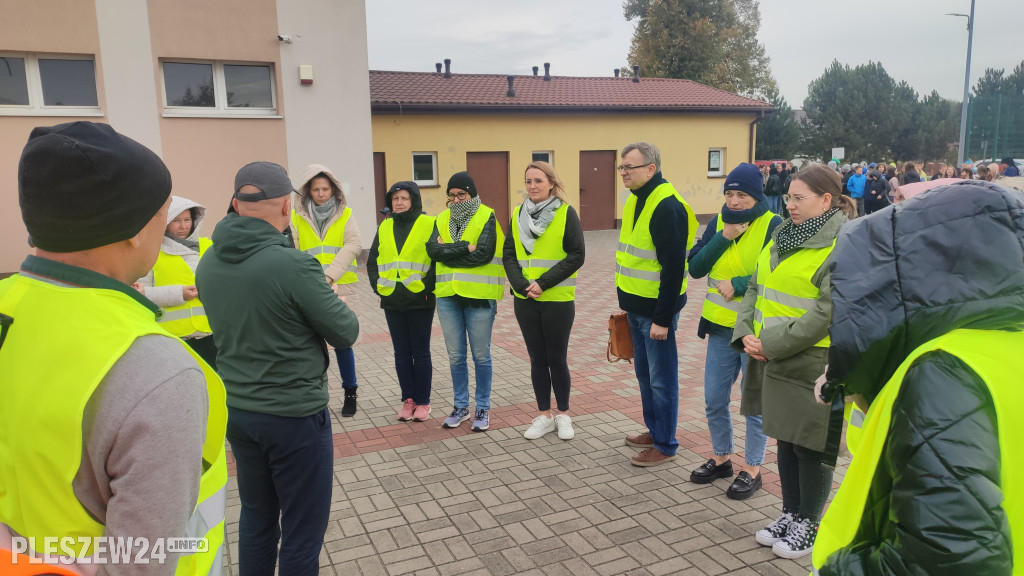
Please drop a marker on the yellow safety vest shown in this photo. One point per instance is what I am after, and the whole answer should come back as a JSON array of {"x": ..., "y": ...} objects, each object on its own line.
[
  {"x": 486, "y": 282},
  {"x": 324, "y": 250},
  {"x": 739, "y": 259},
  {"x": 854, "y": 426},
  {"x": 786, "y": 293},
  {"x": 637, "y": 270},
  {"x": 995, "y": 356},
  {"x": 190, "y": 317},
  {"x": 546, "y": 253},
  {"x": 409, "y": 266},
  {"x": 41, "y": 413}
]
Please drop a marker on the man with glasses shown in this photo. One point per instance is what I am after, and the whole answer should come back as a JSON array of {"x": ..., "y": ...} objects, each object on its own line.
[{"x": 658, "y": 229}]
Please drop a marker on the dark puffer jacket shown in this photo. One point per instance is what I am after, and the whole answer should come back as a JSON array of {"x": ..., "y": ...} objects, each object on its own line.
[
  {"x": 950, "y": 258},
  {"x": 402, "y": 298}
]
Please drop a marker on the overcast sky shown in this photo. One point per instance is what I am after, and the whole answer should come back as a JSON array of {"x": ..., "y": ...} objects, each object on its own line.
[{"x": 915, "y": 41}]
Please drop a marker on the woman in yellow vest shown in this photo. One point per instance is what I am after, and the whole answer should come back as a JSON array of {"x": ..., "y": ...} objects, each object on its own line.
[
  {"x": 928, "y": 312},
  {"x": 171, "y": 284},
  {"x": 727, "y": 254},
  {"x": 782, "y": 325},
  {"x": 470, "y": 281},
  {"x": 542, "y": 253},
  {"x": 323, "y": 227},
  {"x": 402, "y": 274}
]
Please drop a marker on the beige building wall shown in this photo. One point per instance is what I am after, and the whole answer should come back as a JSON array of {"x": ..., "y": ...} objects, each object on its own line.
[
  {"x": 683, "y": 140},
  {"x": 32, "y": 27}
]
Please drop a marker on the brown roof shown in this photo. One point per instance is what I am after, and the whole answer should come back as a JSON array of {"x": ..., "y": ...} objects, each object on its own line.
[{"x": 431, "y": 93}]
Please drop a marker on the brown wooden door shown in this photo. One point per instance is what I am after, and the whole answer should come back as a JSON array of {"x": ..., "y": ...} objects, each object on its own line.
[
  {"x": 380, "y": 183},
  {"x": 490, "y": 173},
  {"x": 597, "y": 189}
]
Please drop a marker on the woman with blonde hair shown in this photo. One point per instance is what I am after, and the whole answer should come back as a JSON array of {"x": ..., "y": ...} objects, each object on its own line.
[{"x": 542, "y": 253}]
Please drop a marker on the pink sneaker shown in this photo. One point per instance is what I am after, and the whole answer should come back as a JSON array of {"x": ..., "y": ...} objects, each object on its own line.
[
  {"x": 421, "y": 413},
  {"x": 405, "y": 414}
]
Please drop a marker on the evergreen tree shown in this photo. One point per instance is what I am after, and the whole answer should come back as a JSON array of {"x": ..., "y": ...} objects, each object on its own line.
[{"x": 778, "y": 135}]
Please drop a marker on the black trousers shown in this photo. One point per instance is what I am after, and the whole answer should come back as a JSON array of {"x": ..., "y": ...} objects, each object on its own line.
[
  {"x": 206, "y": 349},
  {"x": 806, "y": 480},
  {"x": 546, "y": 327}
]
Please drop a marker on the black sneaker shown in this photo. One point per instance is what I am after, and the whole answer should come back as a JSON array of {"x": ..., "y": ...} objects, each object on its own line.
[
  {"x": 709, "y": 471},
  {"x": 775, "y": 531},
  {"x": 743, "y": 486},
  {"x": 349, "y": 408},
  {"x": 799, "y": 539}
]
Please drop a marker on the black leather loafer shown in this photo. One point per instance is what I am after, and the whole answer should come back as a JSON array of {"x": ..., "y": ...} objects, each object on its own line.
[
  {"x": 743, "y": 486},
  {"x": 708, "y": 472}
]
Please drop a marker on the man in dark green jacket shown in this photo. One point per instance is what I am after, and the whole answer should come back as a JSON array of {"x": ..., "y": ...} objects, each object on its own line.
[{"x": 271, "y": 312}]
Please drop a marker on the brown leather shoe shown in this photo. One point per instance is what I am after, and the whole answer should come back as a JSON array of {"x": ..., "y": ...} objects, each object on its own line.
[
  {"x": 644, "y": 440},
  {"x": 650, "y": 457}
]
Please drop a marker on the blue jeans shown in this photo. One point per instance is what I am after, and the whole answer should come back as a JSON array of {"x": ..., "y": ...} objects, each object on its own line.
[
  {"x": 775, "y": 204},
  {"x": 657, "y": 368},
  {"x": 347, "y": 367},
  {"x": 456, "y": 323},
  {"x": 721, "y": 366},
  {"x": 410, "y": 335},
  {"x": 285, "y": 474}
]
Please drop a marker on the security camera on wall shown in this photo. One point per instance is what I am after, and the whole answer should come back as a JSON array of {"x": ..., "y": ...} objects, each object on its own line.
[{"x": 284, "y": 38}]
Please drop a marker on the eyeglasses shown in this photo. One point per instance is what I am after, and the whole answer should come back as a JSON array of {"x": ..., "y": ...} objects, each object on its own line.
[
  {"x": 537, "y": 181},
  {"x": 625, "y": 168},
  {"x": 786, "y": 199},
  {"x": 460, "y": 196}
]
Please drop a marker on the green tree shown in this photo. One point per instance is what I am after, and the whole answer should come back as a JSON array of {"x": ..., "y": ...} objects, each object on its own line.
[
  {"x": 713, "y": 42},
  {"x": 997, "y": 115},
  {"x": 778, "y": 135}
]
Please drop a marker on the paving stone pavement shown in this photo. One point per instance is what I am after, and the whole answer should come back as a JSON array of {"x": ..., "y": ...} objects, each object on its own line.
[{"x": 414, "y": 498}]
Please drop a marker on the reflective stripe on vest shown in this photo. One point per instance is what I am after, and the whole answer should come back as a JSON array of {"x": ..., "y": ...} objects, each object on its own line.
[
  {"x": 739, "y": 259},
  {"x": 326, "y": 248},
  {"x": 486, "y": 282},
  {"x": 995, "y": 357},
  {"x": 547, "y": 252},
  {"x": 854, "y": 426},
  {"x": 190, "y": 317},
  {"x": 409, "y": 266},
  {"x": 637, "y": 270},
  {"x": 97, "y": 327},
  {"x": 786, "y": 293}
]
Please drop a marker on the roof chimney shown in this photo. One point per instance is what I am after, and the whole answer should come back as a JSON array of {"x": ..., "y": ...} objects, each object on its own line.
[
  {"x": 636, "y": 73},
  {"x": 447, "y": 67},
  {"x": 535, "y": 68},
  {"x": 511, "y": 90},
  {"x": 438, "y": 65},
  {"x": 616, "y": 71},
  {"x": 547, "y": 71}
]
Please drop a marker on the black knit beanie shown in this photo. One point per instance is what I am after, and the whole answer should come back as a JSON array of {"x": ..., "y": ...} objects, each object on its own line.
[
  {"x": 82, "y": 185},
  {"x": 746, "y": 178},
  {"x": 462, "y": 181}
]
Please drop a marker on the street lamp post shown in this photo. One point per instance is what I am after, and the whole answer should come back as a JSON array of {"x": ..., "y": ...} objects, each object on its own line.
[{"x": 967, "y": 85}]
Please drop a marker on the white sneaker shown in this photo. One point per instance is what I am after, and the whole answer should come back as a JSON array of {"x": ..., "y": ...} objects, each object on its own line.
[
  {"x": 541, "y": 426},
  {"x": 564, "y": 425}
]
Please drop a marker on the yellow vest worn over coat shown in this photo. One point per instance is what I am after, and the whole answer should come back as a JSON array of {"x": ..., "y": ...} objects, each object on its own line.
[
  {"x": 637, "y": 270},
  {"x": 486, "y": 282},
  {"x": 739, "y": 259},
  {"x": 995, "y": 356},
  {"x": 409, "y": 266},
  {"x": 787, "y": 293},
  {"x": 547, "y": 252},
  {"x": 324, "y": 250},
  {"x": 190, "y": 317},
  {"x": 42, "y": 409}
]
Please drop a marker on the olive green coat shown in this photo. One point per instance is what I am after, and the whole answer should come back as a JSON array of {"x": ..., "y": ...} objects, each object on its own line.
[{"x": 782, "y": 390}]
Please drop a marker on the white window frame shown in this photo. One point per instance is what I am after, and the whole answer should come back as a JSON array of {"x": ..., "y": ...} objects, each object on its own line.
[
  {"x": 721, "y": 163},
  {"x": 34, "y": 83},
  {"x": 550, "y": 153},
  {"x": 433, "y": 162},
  {"x": 220, "y": 108}
]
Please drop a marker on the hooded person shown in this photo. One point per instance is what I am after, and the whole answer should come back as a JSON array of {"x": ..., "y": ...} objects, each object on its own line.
[
  {"x": 171, "y": 284},
  {"x": 773, "y": 189},
  {"x": 1008, "y": 167},
  {"x": 466, "y": 245},
  {"x": 402, "y": 274},
  {"x": 322, "y": 225},
  {"x": 727, "y": 254},
  {"x": 929, "y": 343}
]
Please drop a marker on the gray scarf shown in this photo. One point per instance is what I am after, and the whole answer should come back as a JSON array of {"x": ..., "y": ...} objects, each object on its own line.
[
  {"x": 190, "y": 244},
  {"x": 322, "y": 213},
  {"x": 534, "y": 219},
  {"x": 460, "y": 214}
]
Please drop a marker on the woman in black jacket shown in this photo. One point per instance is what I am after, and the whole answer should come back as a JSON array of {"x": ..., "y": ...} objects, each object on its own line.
[{"x": 402, "y": 274}]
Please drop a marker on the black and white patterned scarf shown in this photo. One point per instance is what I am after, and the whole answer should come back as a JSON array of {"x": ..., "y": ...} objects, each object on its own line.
[
  {"x": 791, "y": 236},
  {"x": 460, "y": 214}
]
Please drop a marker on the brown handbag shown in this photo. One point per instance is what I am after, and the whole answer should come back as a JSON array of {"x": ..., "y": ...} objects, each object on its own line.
[{"x": 620, "y": 341}]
